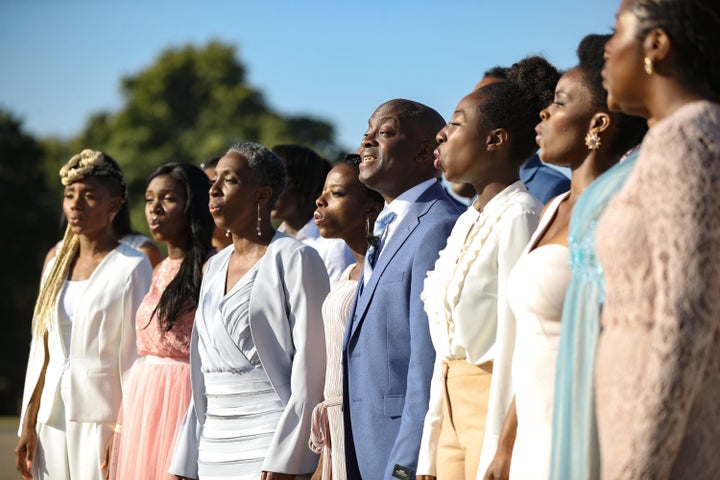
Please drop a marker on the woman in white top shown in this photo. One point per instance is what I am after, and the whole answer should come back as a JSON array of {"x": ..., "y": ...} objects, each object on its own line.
[
  {"x": 579, "y": 132},
  {"x": 83, "y": 330},
  {"x": 489, "y": 136}
]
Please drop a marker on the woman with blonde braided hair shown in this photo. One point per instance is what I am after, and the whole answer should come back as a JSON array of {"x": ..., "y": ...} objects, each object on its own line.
[{"x": 83, "y": 342}]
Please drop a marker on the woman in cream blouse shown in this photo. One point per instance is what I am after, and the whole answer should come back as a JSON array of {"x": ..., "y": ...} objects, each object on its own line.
[{"x": 490, "y": 135}]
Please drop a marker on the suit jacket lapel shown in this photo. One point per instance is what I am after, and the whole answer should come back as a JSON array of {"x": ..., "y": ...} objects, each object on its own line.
[{"x": 401, "y": 235}]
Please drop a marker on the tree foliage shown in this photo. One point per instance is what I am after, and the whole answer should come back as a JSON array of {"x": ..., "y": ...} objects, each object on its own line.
[
  {"x": 190, "y": 104},
  {"x": 30, "y": 216}
]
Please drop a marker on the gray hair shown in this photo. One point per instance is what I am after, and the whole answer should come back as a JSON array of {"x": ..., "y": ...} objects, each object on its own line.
[{"x": 267, "y": 168}]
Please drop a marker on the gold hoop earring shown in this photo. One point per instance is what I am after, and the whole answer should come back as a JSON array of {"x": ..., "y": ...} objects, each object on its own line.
[
  {"x": 259, "y": 232},
  {"x": 649, "y": 66},
  {"x": 592, "y": 140}
]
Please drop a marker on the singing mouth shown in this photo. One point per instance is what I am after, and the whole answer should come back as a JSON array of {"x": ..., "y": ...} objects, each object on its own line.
[
  {"x": 437, "y": 163},
  {"x": 368, "y": 158},
  {"x": 317, "y": 217}
]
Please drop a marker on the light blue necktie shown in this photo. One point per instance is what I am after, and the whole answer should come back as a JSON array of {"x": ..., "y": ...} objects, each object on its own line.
[{"x": 379, "y": 232}]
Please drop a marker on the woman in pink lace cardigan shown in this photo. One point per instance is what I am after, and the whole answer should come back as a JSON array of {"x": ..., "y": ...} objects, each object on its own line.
[{"x": 657, "y": 375}]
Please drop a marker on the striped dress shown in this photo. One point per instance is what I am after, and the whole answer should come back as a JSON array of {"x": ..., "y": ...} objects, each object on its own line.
[{"x": 243, "y": 409}]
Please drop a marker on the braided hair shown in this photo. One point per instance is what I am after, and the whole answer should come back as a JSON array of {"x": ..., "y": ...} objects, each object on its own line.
[{"x": 88, "y": 163}]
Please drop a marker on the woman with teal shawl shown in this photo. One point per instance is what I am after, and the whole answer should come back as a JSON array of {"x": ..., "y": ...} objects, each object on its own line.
[{"x": 575, "y": 449}]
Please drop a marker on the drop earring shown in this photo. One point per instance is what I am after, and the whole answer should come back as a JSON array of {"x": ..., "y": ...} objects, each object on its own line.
[
  {"x": 649, "y": 66},
  {"x": 592, "y": 140},
  {"x": 259, "y": 232},
  {"x": 227, "y": 233}
]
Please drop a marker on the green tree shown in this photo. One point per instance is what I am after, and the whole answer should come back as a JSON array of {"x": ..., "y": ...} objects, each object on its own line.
[
  {"x": 30, "y": 210},
  {"x": 192, "y": 103}
]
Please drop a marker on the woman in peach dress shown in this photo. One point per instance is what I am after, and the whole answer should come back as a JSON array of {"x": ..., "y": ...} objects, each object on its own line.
[{"x": 176, "y": 207}]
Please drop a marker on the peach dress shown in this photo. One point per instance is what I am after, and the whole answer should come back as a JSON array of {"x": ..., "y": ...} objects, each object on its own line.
[{"x": 159, "y": 391}]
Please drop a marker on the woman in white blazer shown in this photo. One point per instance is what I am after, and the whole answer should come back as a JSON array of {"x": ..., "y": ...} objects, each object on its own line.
[
  {"x": 83, "y": 341},
  {"x": 257, "y": 355}
]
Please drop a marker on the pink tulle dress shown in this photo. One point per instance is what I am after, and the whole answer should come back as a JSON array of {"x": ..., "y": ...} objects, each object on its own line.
[{"x": 158, "y": 392}]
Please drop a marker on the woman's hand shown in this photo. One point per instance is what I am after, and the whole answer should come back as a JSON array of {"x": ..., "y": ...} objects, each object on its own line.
[
  {"x": 499, "y": 468},
  {"x": 319, "y": 470},
  {"x": 277, "y": 476},
  {"x": 105, "y": 466},
  {"x": 26, "y": 446},
  {"x": 25, "y": 452}
]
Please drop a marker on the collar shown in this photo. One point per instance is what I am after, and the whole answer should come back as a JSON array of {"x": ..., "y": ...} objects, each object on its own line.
[
  {"x": 529, "y": 168},
  {"x": 404, "y": 201}
]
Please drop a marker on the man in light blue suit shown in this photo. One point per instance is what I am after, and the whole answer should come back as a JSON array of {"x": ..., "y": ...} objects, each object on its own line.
[{"x": 387, "y": 352}]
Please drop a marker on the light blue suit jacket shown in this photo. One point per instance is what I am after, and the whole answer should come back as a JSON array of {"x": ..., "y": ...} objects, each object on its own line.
[{"x": 388, "y": 355}]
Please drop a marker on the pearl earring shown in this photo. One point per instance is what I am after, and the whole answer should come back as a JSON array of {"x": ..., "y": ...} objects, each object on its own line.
[{"x": 259, "y": 232}]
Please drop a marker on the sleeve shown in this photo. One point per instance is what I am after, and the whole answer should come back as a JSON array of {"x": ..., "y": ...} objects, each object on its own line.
[
  {"x": 513, "y": 239},
  {"x": 36, "y": 358},
  {"x": 185, "y": 454},
  {"x": 139, "y": 284},
  {"x": 431, "y": 428},
  {"x": 683, "y": 335},
  {"x": 422, "y": 352},
  {"x": 307, "y": 285}
]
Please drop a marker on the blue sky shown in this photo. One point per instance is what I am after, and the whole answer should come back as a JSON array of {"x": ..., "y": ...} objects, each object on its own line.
[{"x": 60, "y": 61}]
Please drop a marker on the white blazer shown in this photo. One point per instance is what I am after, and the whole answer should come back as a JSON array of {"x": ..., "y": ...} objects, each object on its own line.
[
  {"x": 102, "y": 344},
  {"x": 287, "y": 330}
]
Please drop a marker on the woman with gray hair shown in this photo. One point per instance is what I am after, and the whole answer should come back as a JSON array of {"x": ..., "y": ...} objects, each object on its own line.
[{"x": 257, "y": 356}]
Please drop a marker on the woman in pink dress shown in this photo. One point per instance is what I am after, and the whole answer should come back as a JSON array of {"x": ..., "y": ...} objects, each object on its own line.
[{"x": 176, "y": 208}]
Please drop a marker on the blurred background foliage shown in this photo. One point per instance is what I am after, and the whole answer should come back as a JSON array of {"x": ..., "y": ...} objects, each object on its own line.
[{"x": 192, "y": 103}]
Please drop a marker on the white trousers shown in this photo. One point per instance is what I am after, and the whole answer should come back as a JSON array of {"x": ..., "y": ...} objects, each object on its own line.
[{"x": 70, "y": 450}]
